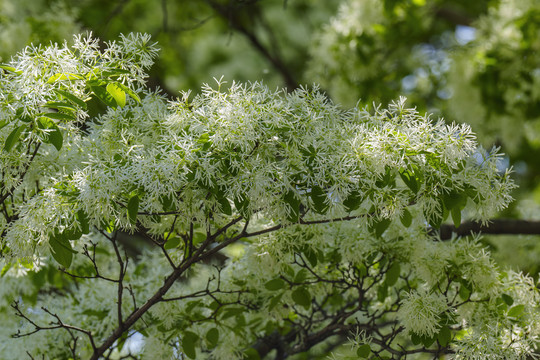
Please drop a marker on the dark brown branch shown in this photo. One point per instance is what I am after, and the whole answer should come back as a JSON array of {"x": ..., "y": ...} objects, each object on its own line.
[
  {"x": 231, "y": 14},
  {"x": 157, "y": 297},
  {"x": 59, "y": 324},
  {"x": 199, "y": 254},
  {"x": 452, "y": 16},
  {"x": 165, "y": 15},
  {"x": 122, "y": 272},
  {"x": 495, "y": 227},
  {"x": 116, "y": 12}
]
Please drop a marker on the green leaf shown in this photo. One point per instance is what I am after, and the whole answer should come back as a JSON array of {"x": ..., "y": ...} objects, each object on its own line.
[
  {"x": 172, "y": 243},
  {"x": 102, "y": 94},
  {"x": 388, "y": 179},
  {"x": 294, "y": 205},
  {"x": 58, "y": 116},
  {"x": 353, "y": 201},
  {"x": 406, "y": 218},
  {"x": 133, "y": 209},
  {"x": 166, "y": 200},
  {"x": 275, "y": 300},
  {"x": 100, "y": 314},
  {"x": 11, "y": 69},
  {"x": 63, "y": 77},
  {"x": 302, "y": 297},
  {"x": 212, "y": 336},
  {"x": 445, "y": 335},
  {"x": 363, "y": 351},
  {"x": 392, "y": 275},
  {"x": 130, "y": 92},
  {"x": 60, "y": 106},
  {"x": 456, "y": 216},
  {"x": 73, "y": 233},
  {"x": 507, "y": 299},
  {"x": 225, "y": 205},
  {"x": 83, "y": 220},
  {"x": 241, "y": 203},
  {"x": 55, "y": 138},
  {"x": 410, "y": 179},
  {"x": 13, "y": 137},
  {"x": 415, "y": 338},
  {"x": 382, "y": 292},
  {"x": 275, "y": 284},
  {"x": 464, "y": 292},
  {"x": 69, "y": 96},
  {"x": 319, "y": 197},
  {"x": 379, "y": 226},
  {"x": 454, "y": 200},
  {"x": 230, "y": 312},
  {"x": 311, "y": 256},
  {"x": 45, "y": 123},
  {"x": 5, "y": 269},
  {"x": 61, "y": 250},
  {"x": 204, "y": 138},
  {"x": 362, "y": 270},
  {"x": 516, "y": 311},
  {"x": 117, "y": 93},
  {"x": 251, "y": 354},
  {"x": 300, "y": 276},
  {"x": 188, "y": 344},
  {"x": 428, "y": 341}
]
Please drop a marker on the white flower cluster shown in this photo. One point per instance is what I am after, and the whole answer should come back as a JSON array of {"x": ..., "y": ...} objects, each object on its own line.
[
  {"x": 276, "y": 153},
  {"x": 420, "y": 312},
  {"x": 43, "y": 98},
  {"x": 266, "y": 160}
]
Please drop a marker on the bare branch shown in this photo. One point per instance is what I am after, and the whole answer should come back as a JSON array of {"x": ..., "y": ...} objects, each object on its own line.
[
  {"x": 495, "y": 227},
  {"x": 58, "y": 324}
]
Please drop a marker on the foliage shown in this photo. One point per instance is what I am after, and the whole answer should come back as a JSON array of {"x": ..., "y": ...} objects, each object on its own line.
[
  {"x": 497, "y": 71},
  {"x": 244, "y": 222},
  {"x": 25, "y": 21},
  {"x": 328, "y": 207},
  {"x": 488, "y": 80}
]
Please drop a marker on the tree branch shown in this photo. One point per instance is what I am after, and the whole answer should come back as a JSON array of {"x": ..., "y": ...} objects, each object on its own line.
[
  {"x": 452, "y": 16},
  {"x": 231, "y": 14},
  {"x": 495, "y": 227}
]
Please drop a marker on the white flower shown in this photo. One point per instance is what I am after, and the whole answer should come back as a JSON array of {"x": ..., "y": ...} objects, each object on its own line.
[{"x": 420, "y": 312}]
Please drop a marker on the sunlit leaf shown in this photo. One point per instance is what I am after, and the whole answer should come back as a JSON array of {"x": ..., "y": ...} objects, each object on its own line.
[
  {"x": 117, "y": 93},
  {"x": 69, "y": 96},
  {"x": 63, "y": 77}
]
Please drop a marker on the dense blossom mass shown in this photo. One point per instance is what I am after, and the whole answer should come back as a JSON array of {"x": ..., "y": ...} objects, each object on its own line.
[{"x": 267, "y": 216}]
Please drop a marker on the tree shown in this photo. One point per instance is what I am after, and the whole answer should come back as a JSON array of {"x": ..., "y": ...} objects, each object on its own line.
[{"x": 240, "y": 222}]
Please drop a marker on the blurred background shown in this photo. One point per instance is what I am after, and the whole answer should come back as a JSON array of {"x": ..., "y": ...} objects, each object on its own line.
[{"x": 476, "y": 62}]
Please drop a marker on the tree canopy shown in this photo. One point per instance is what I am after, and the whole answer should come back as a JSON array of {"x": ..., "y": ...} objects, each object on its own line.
[{"x": 254, "y": 217}]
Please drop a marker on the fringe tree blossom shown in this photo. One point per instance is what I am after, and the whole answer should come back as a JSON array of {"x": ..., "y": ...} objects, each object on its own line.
[
  {"x": 420, "y": 312},
  {"x": 238, "y": 221}
]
